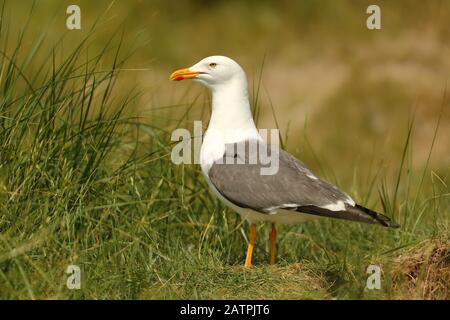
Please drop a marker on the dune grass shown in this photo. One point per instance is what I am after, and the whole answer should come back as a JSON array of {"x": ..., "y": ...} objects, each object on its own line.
[{"x": 84, "y": 181}]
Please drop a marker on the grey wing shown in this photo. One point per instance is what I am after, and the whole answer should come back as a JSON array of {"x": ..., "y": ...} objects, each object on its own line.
[
  {"x": 293, "y": 184},
  {"x": 292, "y": 187}
]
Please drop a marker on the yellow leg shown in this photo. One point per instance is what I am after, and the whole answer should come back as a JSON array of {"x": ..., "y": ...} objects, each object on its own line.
[
  {"x": 273, "y": 237},
  {"x": 251, "y": 244}
]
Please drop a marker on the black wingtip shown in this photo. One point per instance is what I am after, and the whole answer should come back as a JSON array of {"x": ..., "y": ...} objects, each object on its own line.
[{"x": 380, "y": 218}]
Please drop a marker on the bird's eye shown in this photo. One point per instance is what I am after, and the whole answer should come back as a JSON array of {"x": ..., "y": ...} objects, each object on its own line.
[{"x": 212, "y": 65}]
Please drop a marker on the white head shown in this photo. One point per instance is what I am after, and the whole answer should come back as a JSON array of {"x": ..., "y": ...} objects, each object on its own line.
[
  {"x": 213, "y": 72},
  {"x": 231, "y": 117}
]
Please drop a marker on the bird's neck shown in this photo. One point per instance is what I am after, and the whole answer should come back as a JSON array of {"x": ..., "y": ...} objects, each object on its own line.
[{"x": 231, "y": 115}]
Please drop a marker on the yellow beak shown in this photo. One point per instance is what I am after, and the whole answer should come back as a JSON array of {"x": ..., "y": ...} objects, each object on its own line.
[{"x": 183, "y": 74}]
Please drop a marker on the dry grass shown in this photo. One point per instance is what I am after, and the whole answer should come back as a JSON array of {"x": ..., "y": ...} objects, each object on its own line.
[{"x": 423, "y": 271}]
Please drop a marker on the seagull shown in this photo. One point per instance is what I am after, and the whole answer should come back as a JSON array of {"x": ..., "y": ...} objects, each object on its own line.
[{"x": 293, "y": 194}]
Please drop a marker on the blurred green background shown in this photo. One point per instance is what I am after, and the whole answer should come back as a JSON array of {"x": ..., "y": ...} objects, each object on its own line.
[{"x": 354, "y": 88}]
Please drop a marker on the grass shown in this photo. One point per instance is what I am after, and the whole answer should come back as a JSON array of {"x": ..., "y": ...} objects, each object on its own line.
[{"x": 85, "y": 180}]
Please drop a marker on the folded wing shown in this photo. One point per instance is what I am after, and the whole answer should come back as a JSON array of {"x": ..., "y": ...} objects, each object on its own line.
[{"x": 293, "y": 187}]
